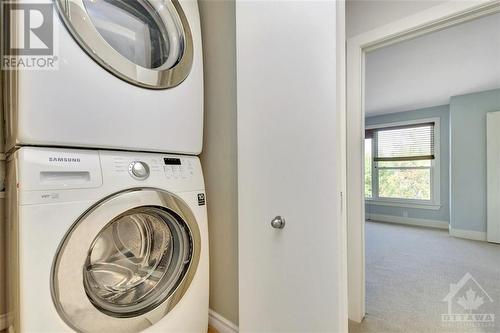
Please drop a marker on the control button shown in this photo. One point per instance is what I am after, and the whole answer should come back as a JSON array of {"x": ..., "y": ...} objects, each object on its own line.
[{"x": 139, "y": 170}]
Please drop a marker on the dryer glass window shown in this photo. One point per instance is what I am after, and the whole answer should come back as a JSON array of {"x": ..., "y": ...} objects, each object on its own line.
[
  {"x": 139, "y": 31},
  {"x": 136, "y": 261},
  {"x": 147, "y": 43}
]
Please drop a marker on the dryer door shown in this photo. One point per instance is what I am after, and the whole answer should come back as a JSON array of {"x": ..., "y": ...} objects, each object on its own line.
[
  {"x": 145, "y": 42},
  {"x": 126, "y": 263}
]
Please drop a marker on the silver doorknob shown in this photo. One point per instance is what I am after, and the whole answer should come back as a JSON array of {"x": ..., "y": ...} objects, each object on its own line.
[{"x": 278, "y": 222}]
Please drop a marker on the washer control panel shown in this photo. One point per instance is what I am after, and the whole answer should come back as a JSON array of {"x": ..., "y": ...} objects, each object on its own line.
[
  {"x": 139, "y": 170},
  {"x": 152, "y": 169},
  {"x": 175, "y": 168},
  {"x": 49, "y": 175}
]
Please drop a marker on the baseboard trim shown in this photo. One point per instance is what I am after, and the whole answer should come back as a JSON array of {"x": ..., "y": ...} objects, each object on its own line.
[
  {"x": 221, "y": 324},
  {"x": 409, "y": 221},
  {"x": 468, "y": 234}
]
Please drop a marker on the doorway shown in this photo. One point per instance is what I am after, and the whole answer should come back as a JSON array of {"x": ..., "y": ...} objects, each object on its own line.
[{"x": 441, "y": 17}]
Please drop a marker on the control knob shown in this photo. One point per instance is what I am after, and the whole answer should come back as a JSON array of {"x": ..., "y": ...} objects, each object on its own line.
[{"x": 139, "y": 170}]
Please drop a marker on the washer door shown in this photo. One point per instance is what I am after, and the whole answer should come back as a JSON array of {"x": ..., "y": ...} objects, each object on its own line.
[
  {"x": 126, "y": 263},
  {"x": 145, "y": 42}
]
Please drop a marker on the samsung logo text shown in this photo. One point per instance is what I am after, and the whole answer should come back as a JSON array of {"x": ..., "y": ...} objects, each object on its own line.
[{"x": 64, "y": 159}]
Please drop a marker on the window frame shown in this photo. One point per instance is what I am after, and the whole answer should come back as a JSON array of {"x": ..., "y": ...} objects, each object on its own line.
[{"x": 435, "y": 169}]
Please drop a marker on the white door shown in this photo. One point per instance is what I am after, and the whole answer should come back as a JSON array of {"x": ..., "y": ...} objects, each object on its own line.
[
  {"x": 493, "y": 153},
  {"x": 289, "y": 155}
]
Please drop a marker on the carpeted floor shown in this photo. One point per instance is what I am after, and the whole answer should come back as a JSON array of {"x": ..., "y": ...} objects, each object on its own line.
[{"x": 408, "y": 274}]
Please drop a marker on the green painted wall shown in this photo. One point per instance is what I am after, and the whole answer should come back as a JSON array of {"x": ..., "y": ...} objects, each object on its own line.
[{"x": 468, "y": 158}]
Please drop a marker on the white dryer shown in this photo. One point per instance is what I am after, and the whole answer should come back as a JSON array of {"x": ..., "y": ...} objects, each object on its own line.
[
  {"x": 130, "y": 76},
  {"x": 101, "y": 241}
]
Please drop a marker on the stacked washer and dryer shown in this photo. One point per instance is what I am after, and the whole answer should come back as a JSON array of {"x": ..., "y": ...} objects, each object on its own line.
[{"x": 107, "y": 223}]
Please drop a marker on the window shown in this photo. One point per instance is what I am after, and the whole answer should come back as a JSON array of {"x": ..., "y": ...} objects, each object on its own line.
[{"x": 402, "y": 163}]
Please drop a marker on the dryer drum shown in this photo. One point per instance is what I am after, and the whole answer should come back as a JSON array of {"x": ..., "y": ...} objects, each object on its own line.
[{"x": 144, "y": 42}]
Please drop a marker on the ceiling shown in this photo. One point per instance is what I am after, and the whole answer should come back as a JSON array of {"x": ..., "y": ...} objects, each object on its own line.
[{"x": 428, "y": 70}]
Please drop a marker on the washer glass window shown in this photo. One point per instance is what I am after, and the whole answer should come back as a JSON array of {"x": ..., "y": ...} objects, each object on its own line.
[
  {"x": 126, "y": 259},
  {"x": 136, "y": 261},
  {"x": 145, "y": 42}
]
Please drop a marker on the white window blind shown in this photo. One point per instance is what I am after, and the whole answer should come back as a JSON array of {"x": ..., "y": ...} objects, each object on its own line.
[{"x": 403, "y": 143}]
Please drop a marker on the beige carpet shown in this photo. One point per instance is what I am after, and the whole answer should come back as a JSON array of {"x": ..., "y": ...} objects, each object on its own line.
[{"x": 408, "y": 274}]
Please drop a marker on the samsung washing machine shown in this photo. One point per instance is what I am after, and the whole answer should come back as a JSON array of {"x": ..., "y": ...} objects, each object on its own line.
[
  {"x": 127, "y": 74},
  {"x": 102, "y": 241}
]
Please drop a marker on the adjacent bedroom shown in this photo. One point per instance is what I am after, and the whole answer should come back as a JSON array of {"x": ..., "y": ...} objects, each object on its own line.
[{"x": 432, "y": 179}]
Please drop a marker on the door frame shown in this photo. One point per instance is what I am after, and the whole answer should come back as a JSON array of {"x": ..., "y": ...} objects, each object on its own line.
[{"x": 433, "y": 19}]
